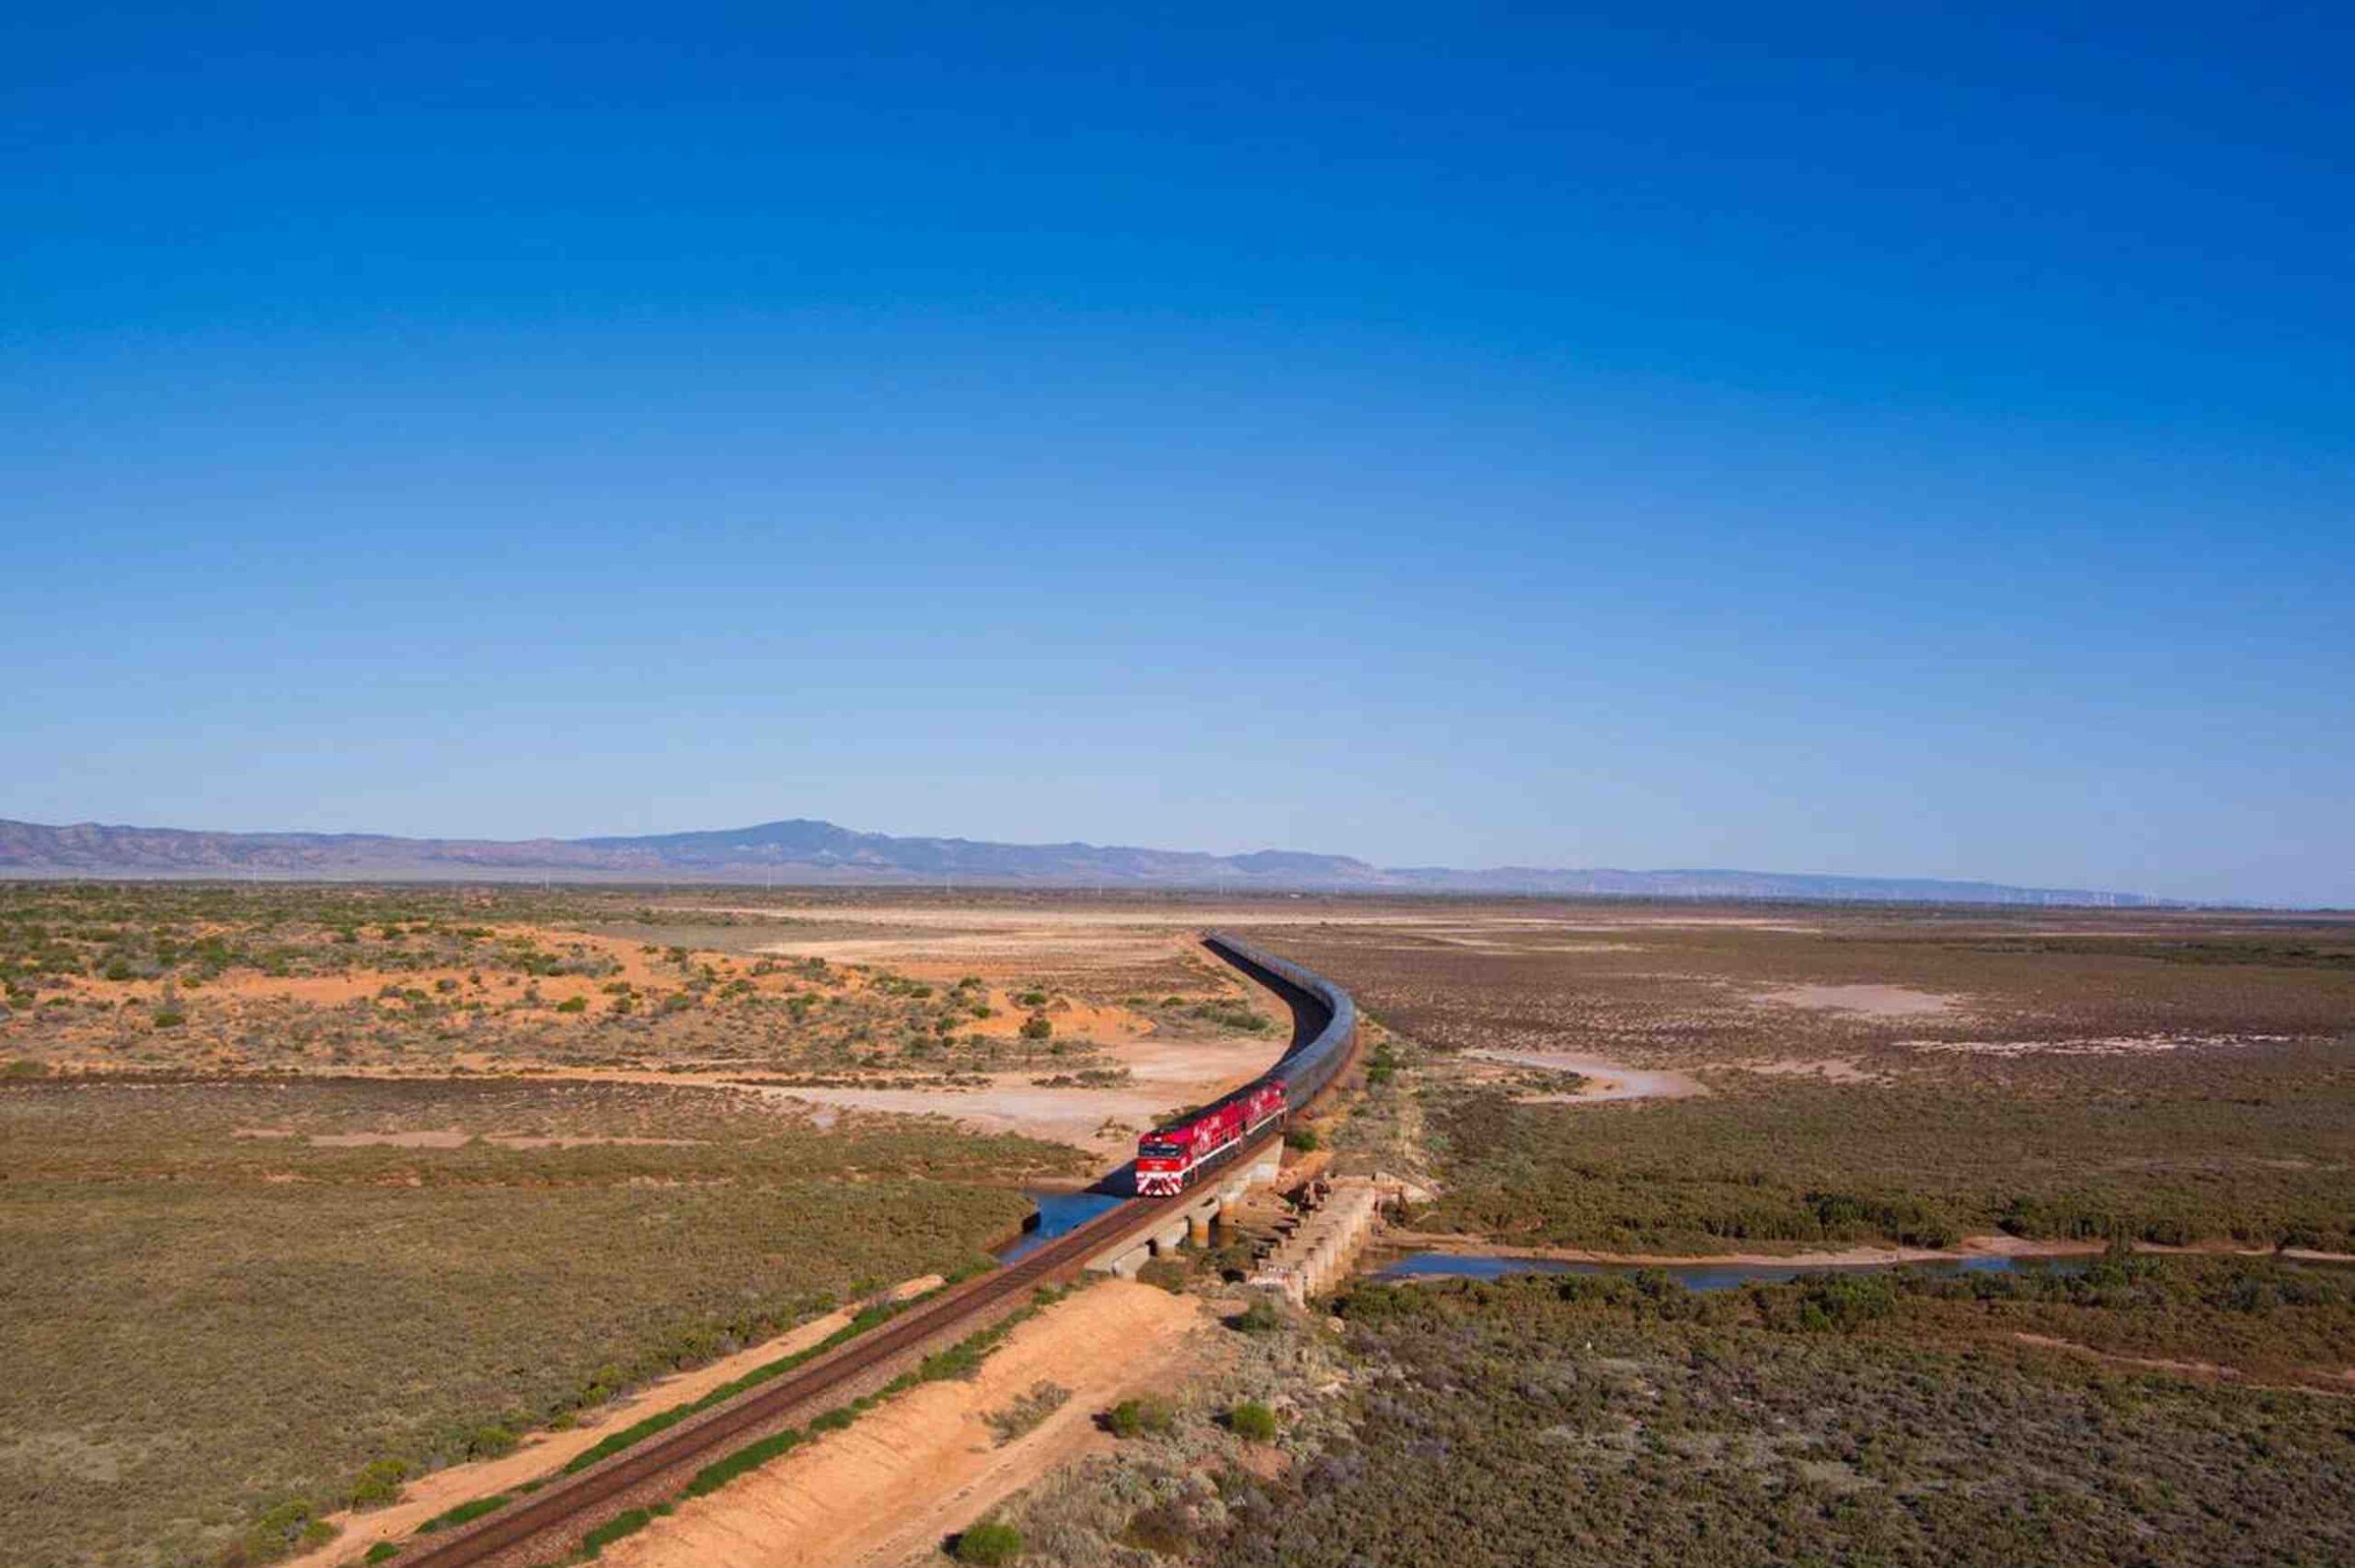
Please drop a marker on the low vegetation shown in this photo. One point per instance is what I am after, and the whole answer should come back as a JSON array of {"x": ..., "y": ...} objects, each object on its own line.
[
  {"x": 2254, "y": 1150},
  {"x": 1252, "y": 1422},
  {"x": 1026, "y": 1411},
  {"x": 1885, "y": 1076},
  {"x": 989, "y": 1544},
  {"x": 1603, "y": 1421},
  {"x": 1897, "y": 1419},
  {"x": 110, "y": 977},
  {"x": 232, "y": 1308}
]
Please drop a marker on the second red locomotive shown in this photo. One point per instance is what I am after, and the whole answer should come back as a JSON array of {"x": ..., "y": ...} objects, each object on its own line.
[{"x": 1168, "y": 1157}]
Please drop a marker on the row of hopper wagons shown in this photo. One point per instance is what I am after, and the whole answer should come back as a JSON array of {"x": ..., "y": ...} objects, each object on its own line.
[{"x": 1175, "y": 1155}]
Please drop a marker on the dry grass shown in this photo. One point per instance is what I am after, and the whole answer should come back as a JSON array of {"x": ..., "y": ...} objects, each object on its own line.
[
  {"x": 1907, "y": 1125},
  {"x": 202, "y": 1326},
  {"x": 426, "y": 980},
  {"x": 1832, "y": 1421}
]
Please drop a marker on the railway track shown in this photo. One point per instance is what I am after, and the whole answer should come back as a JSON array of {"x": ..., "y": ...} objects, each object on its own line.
[{"x": 572, "y": 1502}]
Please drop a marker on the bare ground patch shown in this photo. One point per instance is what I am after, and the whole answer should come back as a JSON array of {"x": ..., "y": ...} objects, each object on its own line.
[
  {"x": 1870, "y": 1001},
  {"x": 1606, "y": 1080},
  {"x": 889, "y": 1488}
]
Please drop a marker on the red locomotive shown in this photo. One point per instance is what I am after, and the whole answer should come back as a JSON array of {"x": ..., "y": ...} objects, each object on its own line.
[{"x": 1169, "y": 1157}]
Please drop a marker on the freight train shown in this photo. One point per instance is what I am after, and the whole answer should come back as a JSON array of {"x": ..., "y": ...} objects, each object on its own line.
[{"x": 1171, "y": 1157}]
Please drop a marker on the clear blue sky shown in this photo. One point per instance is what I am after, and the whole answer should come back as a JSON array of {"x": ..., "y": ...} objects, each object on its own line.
[{"x": 1882, "y": 440}]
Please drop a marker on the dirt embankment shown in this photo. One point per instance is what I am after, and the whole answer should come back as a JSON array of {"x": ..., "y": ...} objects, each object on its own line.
[
  {"x": 928, "y": 1463},
  {"x": 544, "y": 1453}
]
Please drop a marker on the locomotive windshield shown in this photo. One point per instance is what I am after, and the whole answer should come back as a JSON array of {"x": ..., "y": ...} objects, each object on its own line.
[{"x": 1161, "y": 1148}]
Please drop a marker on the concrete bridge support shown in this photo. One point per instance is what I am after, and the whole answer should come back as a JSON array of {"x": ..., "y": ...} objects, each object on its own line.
[
  {"x": 1318, "y": 1255},
  {"x": 1191, "y": 1224}
]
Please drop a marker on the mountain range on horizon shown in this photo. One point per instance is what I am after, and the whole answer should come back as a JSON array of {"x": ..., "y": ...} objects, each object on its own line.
[{"x": 800, "y": 850}]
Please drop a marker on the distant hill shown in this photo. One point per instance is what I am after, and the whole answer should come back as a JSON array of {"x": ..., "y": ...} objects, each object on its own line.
[{"x": 802, "y": 851}]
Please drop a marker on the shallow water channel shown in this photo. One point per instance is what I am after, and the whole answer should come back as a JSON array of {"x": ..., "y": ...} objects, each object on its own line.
[
  {"x": 1058, "y": 1213},
  {"x": 1705, "y": 1275}
]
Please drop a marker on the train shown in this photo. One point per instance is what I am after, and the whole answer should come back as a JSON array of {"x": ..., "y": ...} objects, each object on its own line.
[{"x": 1173, "y": 1156}]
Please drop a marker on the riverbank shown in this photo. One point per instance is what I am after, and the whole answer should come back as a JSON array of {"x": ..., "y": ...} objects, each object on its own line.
[{"x": 1969, "y": 1248}]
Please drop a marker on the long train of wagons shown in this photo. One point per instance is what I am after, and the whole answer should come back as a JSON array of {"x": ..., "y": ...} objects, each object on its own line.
[{"x": 1172, "y": 1156}]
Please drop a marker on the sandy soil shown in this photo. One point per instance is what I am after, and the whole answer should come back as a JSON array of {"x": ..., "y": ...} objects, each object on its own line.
[
  {"x": 365, "y": 982},
  {"x": 1831, "y": 1069},
  {"x": 1166, "y": 1074},
  {"x": 926, "y": 1464},
  {"x": 1163, "y": 1074},
  {"x": 1606, "y": 1080},
  {"x": 913, "y": 934},
  {"x": 431, "y": 1138},
  {"x": 1871, "y": 1000},
  {"x": 936, "y": 942},
  {"x": 452, "y": 1137},
  {"x": 2120, "y": 1045},
  {"x": 544, "y": 1453}
]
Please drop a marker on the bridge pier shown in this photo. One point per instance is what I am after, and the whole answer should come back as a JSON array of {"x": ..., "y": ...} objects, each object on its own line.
[
  {"x": 1196, "y": 1223},
  {"x": 1318, "y": 1254}
]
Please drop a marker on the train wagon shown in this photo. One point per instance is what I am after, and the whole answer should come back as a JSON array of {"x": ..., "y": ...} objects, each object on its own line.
[{"x": 1172, "y": 1156}]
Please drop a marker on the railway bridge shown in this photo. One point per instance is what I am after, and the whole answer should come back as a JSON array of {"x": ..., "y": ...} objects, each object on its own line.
[
  {"x": 548, "y": 1522},
  {"x": 1193, "y": 1214}
]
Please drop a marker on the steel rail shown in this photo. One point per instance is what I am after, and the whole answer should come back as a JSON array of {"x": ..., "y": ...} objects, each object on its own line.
[{"x": 1313, "y": 1002}]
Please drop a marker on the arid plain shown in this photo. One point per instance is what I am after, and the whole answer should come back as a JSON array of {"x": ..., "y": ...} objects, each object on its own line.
[{"x": 397, "y": 1189}]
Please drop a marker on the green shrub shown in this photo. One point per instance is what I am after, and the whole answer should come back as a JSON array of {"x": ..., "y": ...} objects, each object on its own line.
[
  {"x": 751, "y": 1456},
  {"x": 379, "y": 1482},
  {"x": 1168, "y": 1274},
  {"x": 989, "y": 1543},
  {"x": 1038, "y": 1026},
  {"x": 1252, "y": 1422},
  {"x": 1135, "y": 1417},
  {"x": 1842, "y": 1301},
  {"x": 1304, "y": 1139},
  {"x": 627, "y": 1522},
  {"x": 473, "y": 1508},
  {"x": 1262, "y": 1316},
  {"x": 381, "y": 1551},
  {"x": 171, "y": 1018},
  {"x": 489, "y": 1442},
  {"x": 284, "y": 1529}
]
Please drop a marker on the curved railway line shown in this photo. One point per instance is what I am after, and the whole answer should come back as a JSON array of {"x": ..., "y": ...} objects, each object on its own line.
[{"x": 1323, "y": 1036}]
